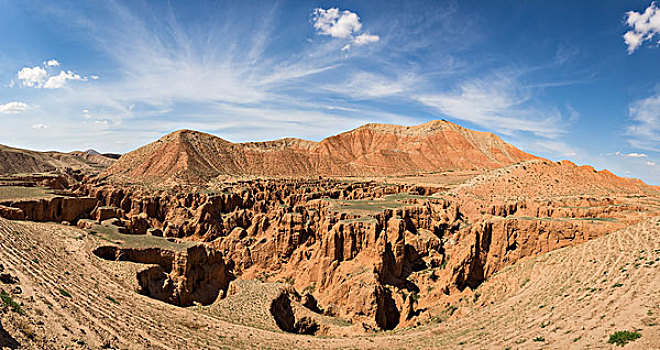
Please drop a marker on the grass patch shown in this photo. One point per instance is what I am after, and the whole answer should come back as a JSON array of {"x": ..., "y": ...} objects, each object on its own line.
[
  {"x": 621, "y": 338},
  {"x": 21, "y": 192},
  {"x": 64, "y": 292},
  {"x": 113, "y": 300},
  {"x": 111, "y": 234},
  {"x": 10, "y": 303}
]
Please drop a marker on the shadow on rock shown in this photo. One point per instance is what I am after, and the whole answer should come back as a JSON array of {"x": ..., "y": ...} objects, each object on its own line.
[{"x": 6, "y": 340}]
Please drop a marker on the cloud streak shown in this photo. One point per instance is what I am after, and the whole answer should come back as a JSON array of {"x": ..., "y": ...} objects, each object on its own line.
[
  {"x": 13, "y": 107},
  {"x": 498, "y": 102},
  {"x": 644, "y": 132}
]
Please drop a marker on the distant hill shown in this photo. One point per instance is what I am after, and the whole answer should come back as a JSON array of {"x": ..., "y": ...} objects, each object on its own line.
[{"x": 20, "y": 161}]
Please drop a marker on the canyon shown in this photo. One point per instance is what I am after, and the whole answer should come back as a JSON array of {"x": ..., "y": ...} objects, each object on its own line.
[{"x": 378, "y": 229}]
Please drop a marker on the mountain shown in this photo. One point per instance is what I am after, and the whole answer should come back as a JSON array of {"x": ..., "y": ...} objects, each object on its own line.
[
  {"x": 20, "y": 161},
  {"x": 370, "y": 150}
]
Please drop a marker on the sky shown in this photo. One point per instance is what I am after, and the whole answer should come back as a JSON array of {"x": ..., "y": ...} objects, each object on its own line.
[{"x": 576, "y": 80}]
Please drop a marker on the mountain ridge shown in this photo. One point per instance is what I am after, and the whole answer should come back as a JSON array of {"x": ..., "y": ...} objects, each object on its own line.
[{"x": 371, "y": 149}]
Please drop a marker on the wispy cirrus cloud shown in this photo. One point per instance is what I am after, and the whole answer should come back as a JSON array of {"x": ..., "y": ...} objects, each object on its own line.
[
  {"x": 644, "y": 132},
  {"x": 366, "y": 85},
  {"x": 498, "y": 102}
]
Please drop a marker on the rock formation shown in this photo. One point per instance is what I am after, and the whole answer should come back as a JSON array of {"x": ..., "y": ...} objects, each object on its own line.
[
  {"x": 56, "y": 209},
  {"x": 196, "y": 275}
]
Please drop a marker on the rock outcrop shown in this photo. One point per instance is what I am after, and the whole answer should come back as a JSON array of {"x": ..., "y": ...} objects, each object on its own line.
[
  {"x": 57, "y": 209},
  {"x": 196, "y": 275}
]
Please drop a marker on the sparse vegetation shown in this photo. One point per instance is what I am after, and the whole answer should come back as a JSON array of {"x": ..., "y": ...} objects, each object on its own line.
[
  {"x": 113, "y": 300},
  {"x": 8, "y": 301},
  {"x": 621, "y": 338},
  {"x": 524, "y": 282},
  {"x": 64, "y": 292},
  {"x": 539, "y": 339}
]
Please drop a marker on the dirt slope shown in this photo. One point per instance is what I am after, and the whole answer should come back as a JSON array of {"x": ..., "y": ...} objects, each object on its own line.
[
  {"x": 373, "y": 149},
  {"x": 542, "y": 178},
  {"x": 570, "y": 298}
]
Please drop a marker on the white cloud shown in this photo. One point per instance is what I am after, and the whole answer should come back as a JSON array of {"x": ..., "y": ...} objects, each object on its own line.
[
  {"x": 650, "y": 163},
  {"x": 644, "y": 26},
  {"x": 632, "y": 155},
  {"x": 38, "y": 77},
  {"x": 13, "y": 107},
  {"x": 58, "y": 81},
  {"x": 341, "y": 24},
  {"x": 39, "y": 126},
  {"x": 335, "y": 23},
  {"x": 94, "y": 77},
  {"x": 32, "y": 77},
  {"x": 645, "y": 132},
  {"x": 366, "y": 38}
]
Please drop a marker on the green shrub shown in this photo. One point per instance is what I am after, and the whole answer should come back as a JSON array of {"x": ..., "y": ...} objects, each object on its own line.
[
  {"x": 64, "y": 292},
  {"x": 622, "y": 338},
  {"x": 9, "y": 302},
  {"x": 112, "y": 300}
]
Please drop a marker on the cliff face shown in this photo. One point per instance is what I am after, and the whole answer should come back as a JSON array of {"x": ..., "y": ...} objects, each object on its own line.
[
  {"x": 56, "y": 209},
  {"x": 196, "y": 275},
  {"x": 371, "y": 150}
]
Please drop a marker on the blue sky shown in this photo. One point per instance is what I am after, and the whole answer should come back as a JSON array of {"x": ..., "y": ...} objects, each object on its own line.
[{"x": 575, "y": 80}]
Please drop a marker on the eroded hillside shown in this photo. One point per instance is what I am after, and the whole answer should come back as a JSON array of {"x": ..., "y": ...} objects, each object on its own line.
[{"x": 187, "y": 156}]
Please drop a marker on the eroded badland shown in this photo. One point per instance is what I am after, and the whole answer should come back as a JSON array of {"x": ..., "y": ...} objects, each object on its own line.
[{"x": 432, "y": 236}]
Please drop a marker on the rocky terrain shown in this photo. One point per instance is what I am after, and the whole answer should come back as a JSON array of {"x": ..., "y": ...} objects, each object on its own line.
[{"x": 339, "y": 239}]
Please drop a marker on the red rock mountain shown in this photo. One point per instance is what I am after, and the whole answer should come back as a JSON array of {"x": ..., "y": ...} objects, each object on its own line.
[{"x": 370, "y": 150}]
